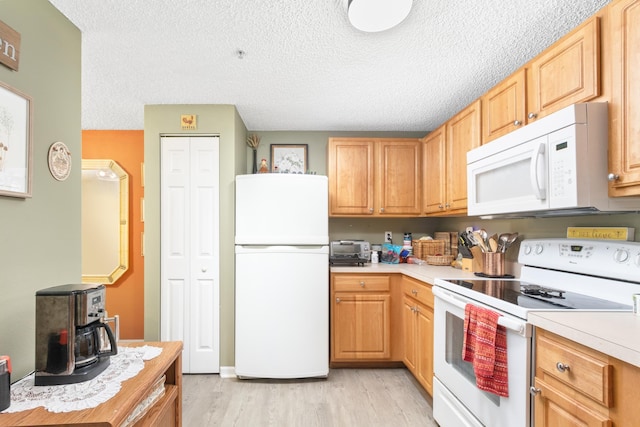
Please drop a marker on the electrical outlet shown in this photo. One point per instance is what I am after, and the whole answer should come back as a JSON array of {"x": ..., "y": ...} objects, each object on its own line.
[{"x": 388, "y": 237}]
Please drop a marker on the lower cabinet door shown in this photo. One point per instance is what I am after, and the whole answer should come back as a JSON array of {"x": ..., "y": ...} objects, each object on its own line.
[
  {"x": 424, "y": 344},
  {"x": 361, "y": 327},
  {"x": 409, "y": 334},
  {"x": 555, "y": 409}
]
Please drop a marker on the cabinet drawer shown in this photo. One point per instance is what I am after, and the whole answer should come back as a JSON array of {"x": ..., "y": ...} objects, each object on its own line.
[
  {"x": 564, "y": 361},
  {"x": 346, "y": 283},
  {"x": 417, "y": 290},
  {"x": 553, "y": 408}
]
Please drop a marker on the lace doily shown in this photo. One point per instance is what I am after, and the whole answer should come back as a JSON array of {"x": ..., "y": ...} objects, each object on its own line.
[{"x": 75, "y": 397}]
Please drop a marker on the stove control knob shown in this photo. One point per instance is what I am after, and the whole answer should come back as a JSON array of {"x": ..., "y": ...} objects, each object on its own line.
[
  {"x": 539, "y": 249},
  {"x": 527, "y": 249},
  {"x": 638, "y": 259},
  {"x": 621, "y": 255}
]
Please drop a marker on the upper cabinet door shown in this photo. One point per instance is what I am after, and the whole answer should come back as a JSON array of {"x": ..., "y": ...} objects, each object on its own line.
[
  {"x": 463, "y": 134},
  {"x": 351, "y": 176},
  {"x": 624, "y": 111},
  {"x": 566, "y": 73},
  {"x": 399, "y": 167},
  {"x": 503, "y": 107},
  {"x": 434, "y": 173}
]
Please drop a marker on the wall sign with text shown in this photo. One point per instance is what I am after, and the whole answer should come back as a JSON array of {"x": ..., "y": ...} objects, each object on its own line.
[{"x": 9, "y": 46}]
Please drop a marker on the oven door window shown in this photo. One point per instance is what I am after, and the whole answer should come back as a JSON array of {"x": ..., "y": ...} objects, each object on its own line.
[{"x": 453, "y": 355}]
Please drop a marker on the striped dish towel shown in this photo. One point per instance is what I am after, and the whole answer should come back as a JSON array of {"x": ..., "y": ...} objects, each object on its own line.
[{"x": 485, "y": 346}]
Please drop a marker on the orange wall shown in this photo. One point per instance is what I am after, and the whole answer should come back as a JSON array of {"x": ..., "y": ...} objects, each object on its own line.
[{"x": 126, "y": 296}]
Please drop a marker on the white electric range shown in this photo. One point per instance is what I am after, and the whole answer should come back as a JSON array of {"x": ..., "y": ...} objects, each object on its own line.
[{"x": 557, "y": 274}]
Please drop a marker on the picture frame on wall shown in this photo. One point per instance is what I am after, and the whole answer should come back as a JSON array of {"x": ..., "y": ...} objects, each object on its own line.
[
  {"x": 289, "y": 158},
  {"x": 16, "y": 135}
]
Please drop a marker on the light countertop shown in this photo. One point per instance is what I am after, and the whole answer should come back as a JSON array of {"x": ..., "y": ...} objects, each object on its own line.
[
  {"x": 426, "y": 273},
  {"x": 613, "y": 333}
]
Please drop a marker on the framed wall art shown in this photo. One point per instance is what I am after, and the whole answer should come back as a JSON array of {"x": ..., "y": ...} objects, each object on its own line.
[
  {"x": 15, "y": 143},
  {"x": 290, "y": 158}
]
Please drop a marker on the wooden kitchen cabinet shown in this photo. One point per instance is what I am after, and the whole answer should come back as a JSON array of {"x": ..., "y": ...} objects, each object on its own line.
[
  {"x": 434, "y": 171},
  {"x": 463, "y": 133},
  {"x": 417, "y": 309},
  {"x": 624, "y": 109},
  {"x": 360, "y": 317},
  {"x": 399, "y": 177},
  {"x": 445, "y": 162},
  {"x": 504, "y": 107},
  {"x": 576, "y": 385},
  {"x": 565, "y": 73},
  {"x": 350, "y": 167},
  {"x": 374, "y": 177}
]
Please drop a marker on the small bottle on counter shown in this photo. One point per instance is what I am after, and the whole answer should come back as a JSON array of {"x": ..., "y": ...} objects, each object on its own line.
[
  {"x": 374, "y": 257},
  {"x": 407, "y": 243}
]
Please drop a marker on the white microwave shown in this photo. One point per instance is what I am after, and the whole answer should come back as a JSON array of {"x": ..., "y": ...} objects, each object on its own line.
[{"x": 554, "y": 166}]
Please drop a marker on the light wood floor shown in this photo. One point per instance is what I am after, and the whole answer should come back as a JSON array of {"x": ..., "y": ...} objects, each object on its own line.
[{"x": 348, "y": 397}]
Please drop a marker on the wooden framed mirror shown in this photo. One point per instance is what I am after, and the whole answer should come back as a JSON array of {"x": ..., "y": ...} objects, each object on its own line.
[{"x": 105, "y": 221}]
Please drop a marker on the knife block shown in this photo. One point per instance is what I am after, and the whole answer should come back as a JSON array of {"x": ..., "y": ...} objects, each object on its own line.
[{"x": 477, "y": 265}]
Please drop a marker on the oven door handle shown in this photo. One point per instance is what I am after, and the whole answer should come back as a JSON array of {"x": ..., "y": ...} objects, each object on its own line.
[{"x": 516, "y": 326}]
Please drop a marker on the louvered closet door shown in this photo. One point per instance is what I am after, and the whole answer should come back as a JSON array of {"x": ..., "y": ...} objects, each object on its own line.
[{"x": 190, "y": 288}]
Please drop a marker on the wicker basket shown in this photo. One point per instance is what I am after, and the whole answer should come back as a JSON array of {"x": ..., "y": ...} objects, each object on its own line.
[
  {"x": 439, "y": 259},
  {"x": 423, "y": 248}
]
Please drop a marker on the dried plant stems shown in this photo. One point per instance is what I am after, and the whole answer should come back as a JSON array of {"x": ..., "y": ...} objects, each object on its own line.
[{"x": 253, "y": 141}]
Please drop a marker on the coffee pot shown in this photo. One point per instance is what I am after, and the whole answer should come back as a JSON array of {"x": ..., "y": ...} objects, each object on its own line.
[{"x": 73, "y": 340}]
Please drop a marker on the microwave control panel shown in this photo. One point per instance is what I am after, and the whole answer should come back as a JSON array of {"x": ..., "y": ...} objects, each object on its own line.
[{"x": 562, "y": 168}]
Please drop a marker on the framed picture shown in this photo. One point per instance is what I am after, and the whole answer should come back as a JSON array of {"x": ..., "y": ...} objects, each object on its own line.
[
  {"x": 289, "y": 158},
  {"x": 15, "y": 143}
]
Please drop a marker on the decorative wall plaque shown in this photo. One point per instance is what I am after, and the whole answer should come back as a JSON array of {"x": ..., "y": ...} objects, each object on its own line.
[{"x": 59, "y": 161}]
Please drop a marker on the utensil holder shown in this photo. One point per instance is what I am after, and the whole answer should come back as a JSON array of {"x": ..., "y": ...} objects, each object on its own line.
[{"x": 493, "y": 263}]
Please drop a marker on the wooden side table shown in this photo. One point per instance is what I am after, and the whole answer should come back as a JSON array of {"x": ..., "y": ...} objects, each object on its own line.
[{"x": 165, "y": 412}]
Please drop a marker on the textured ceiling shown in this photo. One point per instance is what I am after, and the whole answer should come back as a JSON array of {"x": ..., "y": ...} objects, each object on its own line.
[{"x": 305, "y": 67}]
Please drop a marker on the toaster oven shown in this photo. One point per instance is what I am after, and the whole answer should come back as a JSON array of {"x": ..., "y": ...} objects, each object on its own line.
[{"x": 349, "y": 252}]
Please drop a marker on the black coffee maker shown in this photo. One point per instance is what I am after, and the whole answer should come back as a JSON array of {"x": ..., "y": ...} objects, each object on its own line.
[{"x": 73, "y": 342}]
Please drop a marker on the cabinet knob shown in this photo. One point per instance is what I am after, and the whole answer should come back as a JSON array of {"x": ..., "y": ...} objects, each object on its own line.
[
  {"x": 532, "y": 115},
  {"x": 362, "y": 284},
  {"x": 440, "y": 206},
  {"x": 447, "y": 205},
  {"x": 561, "y": 367},
  {"x": 337, "y": 300},
  {"x": 370, "y": 210},
  {"x": 381, "y": 210},
  {"x": 517, "y": 123},
  {"x": 613, "y": 177},
  {"x": 414, "y": 292},
  {"x": 413, "y": 309},
  {"x": 534, "y": 391},
  {"x": 204, "y": 270}
]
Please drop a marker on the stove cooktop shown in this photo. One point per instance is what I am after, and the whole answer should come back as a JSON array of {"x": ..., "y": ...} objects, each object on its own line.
[{"x": 530, "y": 296}]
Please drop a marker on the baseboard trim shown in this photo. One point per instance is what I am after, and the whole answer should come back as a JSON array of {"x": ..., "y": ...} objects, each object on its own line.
[{"x": 228, "y": 372}]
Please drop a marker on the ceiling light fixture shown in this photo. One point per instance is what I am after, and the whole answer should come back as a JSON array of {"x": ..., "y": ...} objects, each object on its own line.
[{"x": 377, "y": 15}]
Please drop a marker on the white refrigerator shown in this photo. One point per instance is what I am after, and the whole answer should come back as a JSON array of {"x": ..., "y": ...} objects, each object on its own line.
[{"x": 282, "y": 276}]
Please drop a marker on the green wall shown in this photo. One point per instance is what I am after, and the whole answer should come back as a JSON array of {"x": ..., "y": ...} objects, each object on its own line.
[{"x": 40, "y": 236}]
